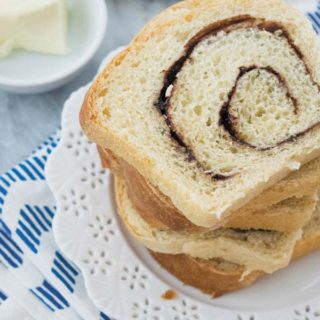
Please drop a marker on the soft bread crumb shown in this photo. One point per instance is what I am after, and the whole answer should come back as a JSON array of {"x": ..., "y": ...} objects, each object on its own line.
[{"x": 169, "y": 295}]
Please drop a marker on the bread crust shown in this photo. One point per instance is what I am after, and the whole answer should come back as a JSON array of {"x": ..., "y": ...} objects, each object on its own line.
[
  {"x": 185, "y": 12},
  {"x": 158, "y": 211},
  {"x": 206, "y": 276}
]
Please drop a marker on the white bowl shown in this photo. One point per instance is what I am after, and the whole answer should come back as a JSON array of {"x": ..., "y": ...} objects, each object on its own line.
[{"x": 27, "y": 72}]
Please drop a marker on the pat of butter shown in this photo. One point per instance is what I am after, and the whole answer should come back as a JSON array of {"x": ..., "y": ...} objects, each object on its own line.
[{"x": 34, "y": 25}]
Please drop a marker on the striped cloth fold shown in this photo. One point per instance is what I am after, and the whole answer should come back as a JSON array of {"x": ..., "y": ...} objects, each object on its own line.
[{"x": 36, "y": 280}]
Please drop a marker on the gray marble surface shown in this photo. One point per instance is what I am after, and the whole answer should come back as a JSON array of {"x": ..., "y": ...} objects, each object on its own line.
[{"x": 26, "y": 120}]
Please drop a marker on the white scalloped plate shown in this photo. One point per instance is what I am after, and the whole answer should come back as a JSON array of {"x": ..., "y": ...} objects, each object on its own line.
[{"x": 121, "y": 277}]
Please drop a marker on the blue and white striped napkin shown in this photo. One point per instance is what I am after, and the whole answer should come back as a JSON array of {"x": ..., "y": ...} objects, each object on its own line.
[{"x": 36, "y": 280}]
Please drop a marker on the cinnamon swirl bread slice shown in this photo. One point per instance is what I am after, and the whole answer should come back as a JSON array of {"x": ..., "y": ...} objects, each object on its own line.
[
  {"x": 217, "y": 277},
  {"x": 286, "y": 206},
  {"x": 213, "y": 102},
  {"x": 223, "y": 273},
  {"x": 256, "y": 250}
]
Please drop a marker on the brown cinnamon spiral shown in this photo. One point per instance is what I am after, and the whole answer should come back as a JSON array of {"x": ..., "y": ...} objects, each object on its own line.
[{"x": 237, "y": 123}]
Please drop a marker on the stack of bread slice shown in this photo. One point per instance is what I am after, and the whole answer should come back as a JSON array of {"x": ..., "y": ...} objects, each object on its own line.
[
  {"x": 230, "y": 257},
  {"x": 210, "y": 123}
]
